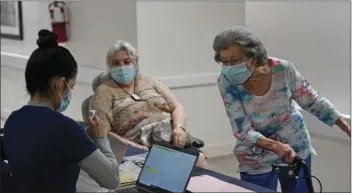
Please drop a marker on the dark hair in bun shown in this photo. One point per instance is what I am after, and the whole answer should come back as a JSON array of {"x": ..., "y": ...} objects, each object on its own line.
[
  {"x": 47, "y": 39},
  {"x": 47, "y": 62}
]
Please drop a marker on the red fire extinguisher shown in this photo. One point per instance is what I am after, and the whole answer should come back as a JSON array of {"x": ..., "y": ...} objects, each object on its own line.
[{"x": 59, "y": 20}]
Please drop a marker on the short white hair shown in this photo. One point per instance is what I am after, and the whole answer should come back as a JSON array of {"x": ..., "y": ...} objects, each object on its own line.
[
  {"x": 238, "y": 35},
  {"x": 120, "y": 46}
]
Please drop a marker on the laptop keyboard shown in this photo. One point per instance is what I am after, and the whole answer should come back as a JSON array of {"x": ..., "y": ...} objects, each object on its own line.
[{"x": 130, "y": 190}]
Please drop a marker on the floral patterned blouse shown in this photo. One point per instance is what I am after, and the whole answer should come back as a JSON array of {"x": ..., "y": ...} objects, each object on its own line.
[
  {"x": 273, "y": 115},
  {"x": 125, "y": 116}
]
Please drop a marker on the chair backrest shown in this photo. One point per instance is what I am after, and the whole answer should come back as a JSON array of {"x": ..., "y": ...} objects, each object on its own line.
[
  {"x": 85, "y": 109},
  {"x": 101, "y": 78}
]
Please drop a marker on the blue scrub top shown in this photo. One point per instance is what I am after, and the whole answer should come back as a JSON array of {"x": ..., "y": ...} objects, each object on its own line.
[{"x": 43, "y": 148}]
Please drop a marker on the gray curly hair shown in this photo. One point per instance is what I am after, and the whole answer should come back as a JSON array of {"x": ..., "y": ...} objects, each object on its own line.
[{"x": 238, "y": 35}]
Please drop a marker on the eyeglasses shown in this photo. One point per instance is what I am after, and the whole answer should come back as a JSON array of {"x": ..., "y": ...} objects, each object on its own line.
[{"x": 233, "y": 62}]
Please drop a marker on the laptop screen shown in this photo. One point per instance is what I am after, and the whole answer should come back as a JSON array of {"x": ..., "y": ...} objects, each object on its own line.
[{"x": 167, "y": 169}]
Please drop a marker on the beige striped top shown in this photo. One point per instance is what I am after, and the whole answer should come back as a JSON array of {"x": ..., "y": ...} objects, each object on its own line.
[{"x": 124, "y": 115}]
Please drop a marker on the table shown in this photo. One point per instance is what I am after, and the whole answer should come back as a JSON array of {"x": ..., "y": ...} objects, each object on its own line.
[
  {"x": 87, "y": 183},
  {"x": 200, "y": 171}
]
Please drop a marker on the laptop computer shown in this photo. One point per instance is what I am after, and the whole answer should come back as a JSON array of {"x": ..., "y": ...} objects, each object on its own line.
[{"x": 166, "y": 169}]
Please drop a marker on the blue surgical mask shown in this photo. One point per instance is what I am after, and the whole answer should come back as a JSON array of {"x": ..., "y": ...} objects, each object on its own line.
[
  {"x": 236, "y": 74},
  {"x": 123, "y": 75},
  {"x": 64, "y": 102}
]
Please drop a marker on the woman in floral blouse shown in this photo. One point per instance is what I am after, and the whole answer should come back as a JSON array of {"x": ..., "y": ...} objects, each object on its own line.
[
  {"x": 139, "y": 110},
  {"x": 258, "y": 93}
]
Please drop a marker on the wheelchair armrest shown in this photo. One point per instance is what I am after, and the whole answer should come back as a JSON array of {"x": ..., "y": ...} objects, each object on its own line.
[{"x": 196, "y": 142}]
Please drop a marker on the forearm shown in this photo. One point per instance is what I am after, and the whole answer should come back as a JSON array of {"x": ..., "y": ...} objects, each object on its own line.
[
  {"x": 258, "y": 139},
  {"x": 102, "y": 166},
  {"x": 324, "y": 111},
  {"x": 309, "y": 99},
  {"x": 103, "y": 145},
  {"x": 343, "y": 125},
  {"x": 266, "y": 143},
  {"x": 179, "y": 115}
]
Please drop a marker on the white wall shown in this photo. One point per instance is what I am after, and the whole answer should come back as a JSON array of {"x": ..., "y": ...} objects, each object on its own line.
[
  {"x": 176, "y": 49},
  {"x": 94, "y": 26},
  {"x": 174, "y": 40},
  {"x": 32, "y": 22},
  {"x": 317, "y": 42}
]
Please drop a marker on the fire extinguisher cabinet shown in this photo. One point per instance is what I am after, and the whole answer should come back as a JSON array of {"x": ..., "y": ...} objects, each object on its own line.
[{"x": 59, "y": 20}]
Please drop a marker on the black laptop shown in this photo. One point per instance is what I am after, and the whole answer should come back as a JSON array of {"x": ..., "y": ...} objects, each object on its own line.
[{"x": 166, "y": 169}]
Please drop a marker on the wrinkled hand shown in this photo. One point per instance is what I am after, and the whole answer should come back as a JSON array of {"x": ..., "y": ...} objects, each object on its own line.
[
  {"x": 344, "y": 125},
  {"x": 136, "y": 145},
  {"x": 347, "y": 130},
  {"x": 348, "y": 133},
  {"x": 96, "y": 127},
  {"x": 179, "y": 137},
  {"x": 285, "y": 153}
]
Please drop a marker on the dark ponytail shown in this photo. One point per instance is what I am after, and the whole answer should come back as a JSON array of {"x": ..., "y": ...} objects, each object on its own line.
[
  {"x": 49, "y": 60},
  {"x": 47, "y": 39}
]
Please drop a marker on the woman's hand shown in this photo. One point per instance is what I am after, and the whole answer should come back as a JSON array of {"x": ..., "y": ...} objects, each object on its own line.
[
  {"x": 347, "y": 130},
  {"x": 285, "y": 153},
  {"x": 96, "y": 128},
  {"x": 140, "y": 146},
  {"x": 179, "y": 137},
  {"x": 136, "y": 145},
  {"x": 344, "y": 126}
]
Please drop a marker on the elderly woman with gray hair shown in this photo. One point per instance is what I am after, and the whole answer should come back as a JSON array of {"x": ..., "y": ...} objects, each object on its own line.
[
  {"x": 139, "y": 110},
  {"x": 258, "y": 93}
]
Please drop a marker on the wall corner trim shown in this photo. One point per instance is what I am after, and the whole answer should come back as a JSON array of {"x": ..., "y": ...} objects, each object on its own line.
[{"x": 86, "y": 74}]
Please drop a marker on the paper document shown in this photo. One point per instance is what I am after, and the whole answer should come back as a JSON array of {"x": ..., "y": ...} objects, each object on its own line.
[
  {"x": 127, "y": 178},
  {"x": 207, "y": 183},
  {"x": 131, "y": 167},
  {"x": 129, "y": 172},
  {"x": 137, "y": 159}
]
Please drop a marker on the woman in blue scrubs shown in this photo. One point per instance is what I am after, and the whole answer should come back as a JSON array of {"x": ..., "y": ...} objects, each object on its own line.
[{"x": 44, "y": 148}]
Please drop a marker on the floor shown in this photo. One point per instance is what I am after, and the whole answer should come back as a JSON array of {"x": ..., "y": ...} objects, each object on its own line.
[{"x": 332, "y": 165}]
